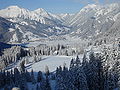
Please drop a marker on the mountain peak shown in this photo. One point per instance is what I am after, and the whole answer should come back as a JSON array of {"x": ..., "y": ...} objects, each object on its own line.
[
  {"x": 13, "y": 7},
  {"x": 90, "y": 6},
  {"x": 40, "y": 10}
]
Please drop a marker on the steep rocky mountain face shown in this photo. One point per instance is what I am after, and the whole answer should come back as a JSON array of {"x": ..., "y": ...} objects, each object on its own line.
[
  {"x": 91, "y": 22},
  {"x": 112, "y": 34}
]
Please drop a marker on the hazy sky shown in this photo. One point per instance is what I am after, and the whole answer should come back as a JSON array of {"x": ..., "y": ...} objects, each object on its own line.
[{"x": 54, "y": 6}]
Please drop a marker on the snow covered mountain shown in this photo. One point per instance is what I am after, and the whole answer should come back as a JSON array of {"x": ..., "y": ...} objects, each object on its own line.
[
  {"x": 32, "y": 25},
  {"x": 6, "y": 30},
  {"x": 112, "y": 34},
  {"x": 16, "y": 12},
  {"x": 92, "y": 21}
]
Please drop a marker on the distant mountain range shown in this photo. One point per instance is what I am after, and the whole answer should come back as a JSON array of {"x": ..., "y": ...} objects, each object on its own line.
[{"x": 93, "y": 21}]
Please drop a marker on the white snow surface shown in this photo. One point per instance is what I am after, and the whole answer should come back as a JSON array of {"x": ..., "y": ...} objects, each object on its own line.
[
  {"x": 14, "y": 38},
  {"x": 11, "y": 29},
  {"x": 52, "y": 62}
]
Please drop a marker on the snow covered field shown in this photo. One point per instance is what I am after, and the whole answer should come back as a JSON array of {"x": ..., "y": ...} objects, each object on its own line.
[{"x": 52, "y": 62}]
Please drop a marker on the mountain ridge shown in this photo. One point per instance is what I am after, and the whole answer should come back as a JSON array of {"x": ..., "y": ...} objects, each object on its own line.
[{"x": 89, "y": 22}]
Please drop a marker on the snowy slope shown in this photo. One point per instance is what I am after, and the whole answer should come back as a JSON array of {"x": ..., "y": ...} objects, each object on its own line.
[
  {"x": 90, "y": 22},
  {"x": 32, "y": 25},
  {"x": 52, "y": 62},
  {"x": 94, "y": 19}
]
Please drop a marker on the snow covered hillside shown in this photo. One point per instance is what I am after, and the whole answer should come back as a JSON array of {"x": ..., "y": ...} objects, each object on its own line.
[
  {"x": 91, "y": 22},
  {"x": 32, "y": 25}
]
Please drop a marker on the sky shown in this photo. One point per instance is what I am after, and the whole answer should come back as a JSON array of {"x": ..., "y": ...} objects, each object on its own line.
[{"x": 53, "y": 6}]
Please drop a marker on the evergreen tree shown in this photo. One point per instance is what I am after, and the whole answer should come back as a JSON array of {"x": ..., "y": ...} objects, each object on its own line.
[
  {"x": 23, "y": 83},
  {"x": 27, "y": 76},
  {"x": 47, "y": 84},
  {"x": 16, "y": 77},
  {"x": 47, "y": 73},
  {"x": 22, "y": 66},
  {"x": 72, "y": 63},
  {"x": 78, "y": 62},
  {"x": 92, "y": 73},
  {"x": 32, "y": 77},
  {"x": 37, "y": 87},
  {"x": 39, "y": 76}
]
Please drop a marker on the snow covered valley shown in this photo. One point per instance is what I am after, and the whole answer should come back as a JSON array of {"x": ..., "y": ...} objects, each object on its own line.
[{"x": 44, "y": 51}]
